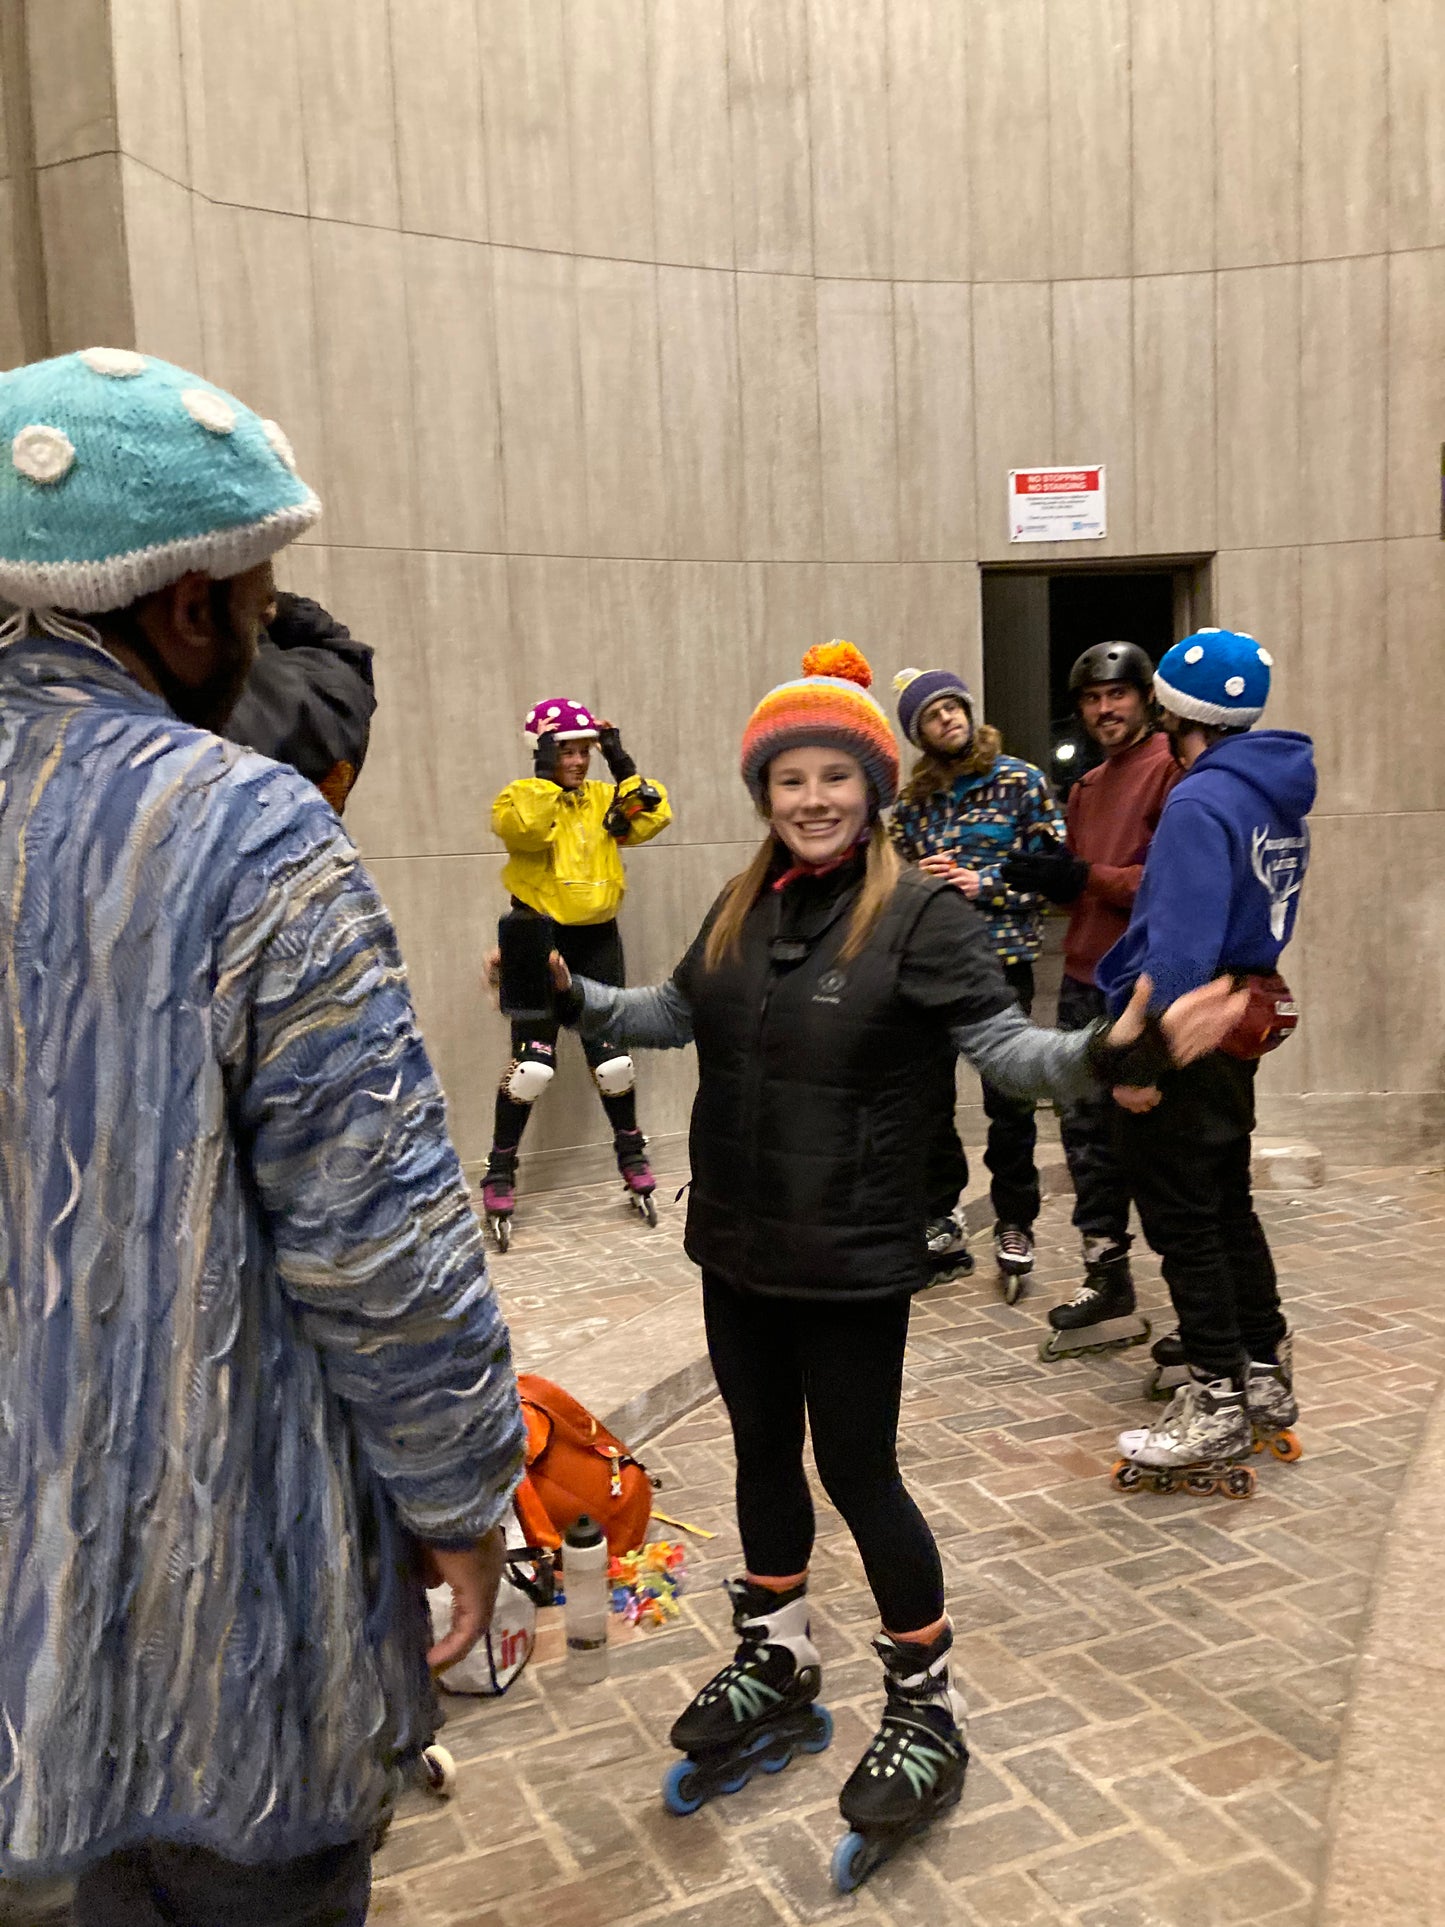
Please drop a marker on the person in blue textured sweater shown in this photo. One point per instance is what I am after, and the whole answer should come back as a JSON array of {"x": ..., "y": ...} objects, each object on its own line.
[
  {"x": 254, "y": 1385},
  {"x": 1220, "y": 893}
]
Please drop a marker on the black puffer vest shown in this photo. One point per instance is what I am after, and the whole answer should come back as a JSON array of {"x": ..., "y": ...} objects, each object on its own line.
[{"x": 819, "y": 1093}]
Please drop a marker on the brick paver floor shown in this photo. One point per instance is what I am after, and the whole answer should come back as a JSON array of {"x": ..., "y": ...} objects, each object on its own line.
[
  {"x": 581, "y": 1263},
  {"x": 1157, "y": 1683}
]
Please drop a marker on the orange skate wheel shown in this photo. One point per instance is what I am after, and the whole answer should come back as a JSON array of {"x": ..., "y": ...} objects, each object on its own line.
[
  {"x": 1238, "y": 1482},
  {"x": 1286, "y": 1446}
]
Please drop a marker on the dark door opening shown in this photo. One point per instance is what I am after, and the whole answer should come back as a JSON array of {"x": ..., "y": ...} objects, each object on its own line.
[{"x": 1037, "y": 622}]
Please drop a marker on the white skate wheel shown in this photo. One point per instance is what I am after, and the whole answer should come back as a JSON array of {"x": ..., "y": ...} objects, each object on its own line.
[{"x": 441, "y": 1771}]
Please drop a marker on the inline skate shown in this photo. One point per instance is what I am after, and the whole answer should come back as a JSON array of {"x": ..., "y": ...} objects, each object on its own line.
[
  {"x": 760, "y": 1710},
  {"x": 914, "y": 1769},
  {"x": 948, "y": 1254},
  {"x": 499, "y": 1195},
  {"x": 1013, "y": 1250},
  {"x": 1197, "y": 1445},
  {"x": 1101, "y": 1315},
  {"x": 1171, "y": 1367},
  {"x": 1273, "y": 1407},
  {"x": 638, "y": 1182}
]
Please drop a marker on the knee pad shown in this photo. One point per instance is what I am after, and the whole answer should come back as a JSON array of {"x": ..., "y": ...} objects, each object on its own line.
[
  {"x": 529, "y": 1073},
  {"x": 615, "y": 1077}
]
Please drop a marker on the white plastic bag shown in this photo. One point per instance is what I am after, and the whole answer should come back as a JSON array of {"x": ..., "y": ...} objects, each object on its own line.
[{"x": 504, "y": 1649}]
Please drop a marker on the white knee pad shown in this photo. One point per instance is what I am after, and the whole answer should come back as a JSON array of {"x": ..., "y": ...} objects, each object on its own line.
[
  {"x": 615, "y": 1077},
  {"x": 526, "y": 1080}
]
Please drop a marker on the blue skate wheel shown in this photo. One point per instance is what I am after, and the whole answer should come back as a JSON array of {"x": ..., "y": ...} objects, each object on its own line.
[
  {"x": 682, "y": 1788},
  {"x": 821, "y": 1738},
  {"x": 850, "y": 1862},
  {"x": 739, "y": 1779}
]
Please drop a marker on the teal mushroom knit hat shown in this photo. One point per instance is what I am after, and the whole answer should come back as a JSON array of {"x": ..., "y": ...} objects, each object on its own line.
[{"x": 120, "y": 473}]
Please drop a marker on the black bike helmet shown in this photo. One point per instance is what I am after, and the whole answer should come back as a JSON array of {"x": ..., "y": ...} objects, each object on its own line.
[{"x": 1112, "y": 662}]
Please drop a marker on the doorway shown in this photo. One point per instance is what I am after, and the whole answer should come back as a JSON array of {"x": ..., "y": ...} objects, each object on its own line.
[{"x": 1038, "y": 621}]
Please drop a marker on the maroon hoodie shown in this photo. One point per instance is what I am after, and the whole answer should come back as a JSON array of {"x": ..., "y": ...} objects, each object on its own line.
[{"x": 1112, "y": 815}]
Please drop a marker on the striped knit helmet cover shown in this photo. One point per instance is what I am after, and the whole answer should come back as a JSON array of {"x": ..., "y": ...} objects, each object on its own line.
[{"x": 831, "y": 713}]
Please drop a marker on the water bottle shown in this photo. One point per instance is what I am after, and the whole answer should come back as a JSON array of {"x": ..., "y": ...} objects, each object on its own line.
[{"x": 584, "y": 1572}]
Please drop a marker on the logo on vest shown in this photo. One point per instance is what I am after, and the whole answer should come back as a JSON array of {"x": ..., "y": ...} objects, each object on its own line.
[{"x": 830, "y": 985}]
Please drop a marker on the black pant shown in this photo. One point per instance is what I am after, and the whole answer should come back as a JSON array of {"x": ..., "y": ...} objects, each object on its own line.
[
  {"x": 1101, "y": 1195},
  {"x": 159, "y": 1886},
  {"x": 589, "y": 950},
  {"x": 774, "y": 1359},
  {"x": 1009, "y": 1150},
  {"x": 1187, "y": 1164}
]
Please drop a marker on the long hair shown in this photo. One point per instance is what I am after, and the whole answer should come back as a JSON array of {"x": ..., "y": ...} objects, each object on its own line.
[
  {"x": 881, "y": 871},
  {"x": 931, "y": 773}
]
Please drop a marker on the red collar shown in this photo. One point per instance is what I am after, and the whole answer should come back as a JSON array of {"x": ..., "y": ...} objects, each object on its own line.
[{"x": 801, "y": 869}]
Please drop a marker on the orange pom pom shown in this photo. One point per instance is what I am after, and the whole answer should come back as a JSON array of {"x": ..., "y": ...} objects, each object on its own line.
[{"x": 839, "y": 659}]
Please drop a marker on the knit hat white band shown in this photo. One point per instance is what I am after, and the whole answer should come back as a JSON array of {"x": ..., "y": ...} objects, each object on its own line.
[
  {"x": 89, "y": 587},
  {"x": 1195, "y": 710}
]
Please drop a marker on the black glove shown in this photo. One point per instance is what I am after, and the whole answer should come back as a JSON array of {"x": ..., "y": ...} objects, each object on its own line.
[
  {"x": 1141, "y": 1063},
  {"x": 609, "y": 741},
  {"x": 569, "y": 1005},
  {"x": 1054, "y": 874},
  {"x": 544, "y": 757}
]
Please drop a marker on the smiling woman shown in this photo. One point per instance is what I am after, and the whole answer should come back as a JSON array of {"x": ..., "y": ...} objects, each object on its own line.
[
  {"x": 817, "y": 802},
  {"x": 828, "y": 993}
]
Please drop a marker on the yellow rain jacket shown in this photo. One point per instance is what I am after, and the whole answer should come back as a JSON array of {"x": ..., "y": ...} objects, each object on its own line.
[{"x": 561, "y": 861}]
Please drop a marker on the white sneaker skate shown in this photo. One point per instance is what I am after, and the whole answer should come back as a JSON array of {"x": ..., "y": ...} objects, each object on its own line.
[
  {"x": 1198, "y": 1443},
  {"x": 1272, "y": 1405}
]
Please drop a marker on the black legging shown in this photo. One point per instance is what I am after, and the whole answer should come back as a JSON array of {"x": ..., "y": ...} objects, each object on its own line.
[
  {"x": 589, "y": 950},
  {"x": 774, "y": 1357}
]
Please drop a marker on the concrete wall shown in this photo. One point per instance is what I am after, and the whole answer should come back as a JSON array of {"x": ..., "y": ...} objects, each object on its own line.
[{"x": 636, "y": 344}]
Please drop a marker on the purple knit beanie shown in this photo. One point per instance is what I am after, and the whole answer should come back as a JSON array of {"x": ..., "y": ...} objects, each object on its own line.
[{"x": 917, "y": 688}]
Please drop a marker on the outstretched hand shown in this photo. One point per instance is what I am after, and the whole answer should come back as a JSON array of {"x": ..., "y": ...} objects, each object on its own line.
[
  {"x": 1193, "y": 1025},
  {"x": 1200, "y": 1020}
]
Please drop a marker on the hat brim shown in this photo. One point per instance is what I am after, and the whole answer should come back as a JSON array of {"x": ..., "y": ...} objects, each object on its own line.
[
  {"x": 118, "y": 580},
  {"x": 1195, "y": 710}
]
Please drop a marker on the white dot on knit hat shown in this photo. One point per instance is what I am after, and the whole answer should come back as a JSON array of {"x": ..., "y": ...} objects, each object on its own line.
[
  {"x": 1265, "y": 657},
  {"x": 554, "y": 710},
  {"x": 1196, "y": 654},
  {"x": 121, "y": 363},
  {"x": 42, "y": 454},
  {"x": 583, "y": 717},
  {"x": 280, "y": 444},
  {"x": 213, "y": 412},
  {"x": 1235, "y": 686}
]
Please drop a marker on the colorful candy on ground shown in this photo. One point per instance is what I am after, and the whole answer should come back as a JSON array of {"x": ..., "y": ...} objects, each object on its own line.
[{"x": 645, "y": 1583}]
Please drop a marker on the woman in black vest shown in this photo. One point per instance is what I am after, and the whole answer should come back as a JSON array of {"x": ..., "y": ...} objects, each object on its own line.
[{"x": 828, "y": 993}]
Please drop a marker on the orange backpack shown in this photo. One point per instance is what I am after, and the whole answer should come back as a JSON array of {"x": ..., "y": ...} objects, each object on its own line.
[{"x": 576, "y": 1466}]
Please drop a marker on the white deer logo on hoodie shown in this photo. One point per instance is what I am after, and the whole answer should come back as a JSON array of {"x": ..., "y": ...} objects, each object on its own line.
[{"x": 1279, "y": 863}]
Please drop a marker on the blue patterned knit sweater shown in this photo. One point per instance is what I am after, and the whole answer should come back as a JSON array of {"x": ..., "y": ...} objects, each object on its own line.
[
  {"x": 247, "y": 1340},
  {"x": 979, "y": 820}
]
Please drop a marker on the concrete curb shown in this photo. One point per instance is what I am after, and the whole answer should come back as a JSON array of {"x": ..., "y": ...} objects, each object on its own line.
[{"x": 1385, "y": 1856}]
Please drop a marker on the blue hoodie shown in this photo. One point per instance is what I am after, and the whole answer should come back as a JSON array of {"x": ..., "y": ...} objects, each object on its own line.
[{"x": 1222, "y": 880}]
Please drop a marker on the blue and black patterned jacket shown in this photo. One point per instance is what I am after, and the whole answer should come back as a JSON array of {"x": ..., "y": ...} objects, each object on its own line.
[
  {"x": 248, "y": 1347},
  {"x": 978, "y": 821}
]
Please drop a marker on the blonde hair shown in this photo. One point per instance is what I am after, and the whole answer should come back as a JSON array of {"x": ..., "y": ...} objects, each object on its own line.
[
  {"x": 932, "y": 773},
  {"x": 882, "y": 869}
]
